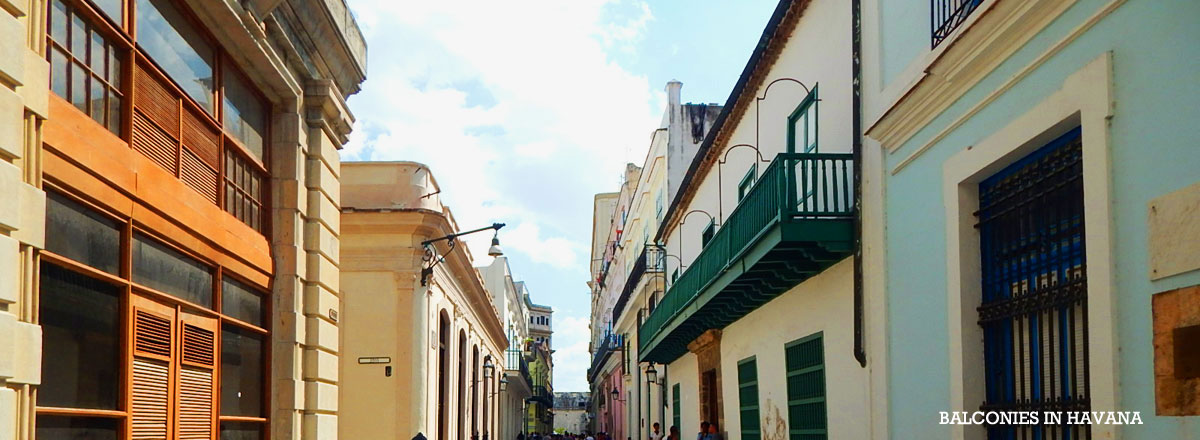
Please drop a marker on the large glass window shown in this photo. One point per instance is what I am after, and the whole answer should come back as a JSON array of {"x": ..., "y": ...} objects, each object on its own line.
[
  {"x": 245, "y": 114},
  {"x": 171, "y": 41},
  {"x": 240, "y": 302},
  {"x": 243, "y": 190},
  {"x": 82, "y": 235},
  {"x": 166, "y": 270},
  {"x": 111, "y": 8},
  {"x": 80, "y": 336},
  {"x": 71, "y": 428},
  {"x": 241, "y": 373},
  {"x": 85, "y": 67},
  {"x": 241, "y": 430}
]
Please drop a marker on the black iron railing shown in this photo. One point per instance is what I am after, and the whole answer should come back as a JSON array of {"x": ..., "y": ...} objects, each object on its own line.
[
  {"x": 640, "y": 267},
  {"x": 947, "y": 15},
  {"x": 515, "y": 361},
  {"x": 610, "y": 343},
  {"x": 541, "y": 393}
]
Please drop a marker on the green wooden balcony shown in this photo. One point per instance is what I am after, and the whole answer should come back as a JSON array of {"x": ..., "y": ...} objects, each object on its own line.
[{"x": 795, "y": 222}]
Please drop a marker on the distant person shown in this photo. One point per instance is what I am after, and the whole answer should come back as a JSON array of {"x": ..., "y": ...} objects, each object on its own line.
[
  {"x": 589, "y": 436},
  {"x": 703, "y": 434},
  {"x": 713, "y": 432},
  {"x": 674, "y": 433},
  {"x": 656, "y": 431},
  {"x": 520, "y": 436}
]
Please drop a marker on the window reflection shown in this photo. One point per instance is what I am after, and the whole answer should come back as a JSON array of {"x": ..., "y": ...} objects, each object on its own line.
[
  {"x": 171, "y": 41},
  {"x": 241, "y": 302},
  {"x": 241, "y": 372},
  {"x": 161, "y": 268},
  {"x": 73, "y": 428},
  {"x": 79, "y": 318},
  {"x": 245, "y": 114}
]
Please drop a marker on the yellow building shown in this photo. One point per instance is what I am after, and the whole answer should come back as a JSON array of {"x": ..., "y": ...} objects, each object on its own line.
[{"x": 423, "y": 345}]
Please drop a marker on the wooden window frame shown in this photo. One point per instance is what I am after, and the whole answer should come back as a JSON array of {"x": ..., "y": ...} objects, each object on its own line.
[
  {"x": 123, "y": 39},
  {"x": 747, "y": 182},
  {"x": 707, "y": 234},
  {"x": 128, "y": 289},
  {"x": 810, "y": 102}
]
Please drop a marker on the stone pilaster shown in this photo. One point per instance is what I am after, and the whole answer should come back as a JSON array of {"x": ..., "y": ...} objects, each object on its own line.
[{"x": 23, "y": 102}]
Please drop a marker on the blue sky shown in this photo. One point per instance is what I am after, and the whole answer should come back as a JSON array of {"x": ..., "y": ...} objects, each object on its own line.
[{"x": 526, "y": 109}]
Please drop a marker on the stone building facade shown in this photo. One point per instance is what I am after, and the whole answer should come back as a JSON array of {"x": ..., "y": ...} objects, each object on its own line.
[{"x": 168, "y": 247}]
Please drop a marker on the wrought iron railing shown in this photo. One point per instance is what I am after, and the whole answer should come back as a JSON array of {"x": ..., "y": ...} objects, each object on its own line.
[
  {"x": 515, "y": 361},
  {"x": 946, "y": 15},
  {"x": 640, "y": 267},
  {"x": 608, "y": 344},
  {"x": 543, "y": 394},
  {"x": 795, "y": 186}
]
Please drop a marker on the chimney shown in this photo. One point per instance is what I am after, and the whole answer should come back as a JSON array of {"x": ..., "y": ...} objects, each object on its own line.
[{"x": 673, "y": 89}]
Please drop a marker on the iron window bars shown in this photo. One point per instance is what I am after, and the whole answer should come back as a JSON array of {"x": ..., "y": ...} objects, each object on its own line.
[
  {"x": 1034, "y": 285},
  {"x": 946, "y": 15}
]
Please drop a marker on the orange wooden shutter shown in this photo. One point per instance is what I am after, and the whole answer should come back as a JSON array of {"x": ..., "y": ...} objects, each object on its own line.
[
  {"x": 150, "y": 374},
  {"x": 197, "y": 383}
]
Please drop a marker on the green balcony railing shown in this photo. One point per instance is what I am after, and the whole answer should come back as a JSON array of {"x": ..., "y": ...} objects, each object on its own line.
[{"x": 795, "y": 186}]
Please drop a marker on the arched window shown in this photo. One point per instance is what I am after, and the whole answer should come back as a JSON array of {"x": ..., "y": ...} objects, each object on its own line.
[
  {"x": 474, "y": 393},
  {"x": 462, "y": 384},
  {"x": 486, "y": 396},
  {"x": 443, "y": 369}
]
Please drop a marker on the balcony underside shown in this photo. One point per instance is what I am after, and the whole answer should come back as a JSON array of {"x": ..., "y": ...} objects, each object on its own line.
[{"x": 785, "y": 255}]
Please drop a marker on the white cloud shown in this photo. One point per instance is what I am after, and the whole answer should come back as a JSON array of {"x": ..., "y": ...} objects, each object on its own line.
[
  {"x": 571, "y": 357},
  {"x": 522, "y": 114}
]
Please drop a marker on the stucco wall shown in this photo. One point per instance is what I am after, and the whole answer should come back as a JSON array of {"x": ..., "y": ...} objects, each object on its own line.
[
  {"x": 822, "y": 304},
  {"x": 1151, "y": 155}
]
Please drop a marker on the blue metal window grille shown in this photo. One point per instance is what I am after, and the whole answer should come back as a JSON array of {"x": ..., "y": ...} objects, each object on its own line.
[
  {"x": 1034, "y": 285},
  {"x": 946, "y": 15}
]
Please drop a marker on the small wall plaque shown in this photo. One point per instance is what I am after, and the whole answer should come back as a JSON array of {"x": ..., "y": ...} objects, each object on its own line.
[{"x": 375, "y": 360}]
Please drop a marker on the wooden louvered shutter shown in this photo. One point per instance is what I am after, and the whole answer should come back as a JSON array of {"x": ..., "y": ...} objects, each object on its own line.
[
  {"x": 153, "y": 353},
  {"x": 197, "y": 378},
  {"x": 181, "y": 141},
  {"x": 155, "y": 120}
]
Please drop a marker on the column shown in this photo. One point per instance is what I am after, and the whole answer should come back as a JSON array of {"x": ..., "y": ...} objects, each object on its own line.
[{"x": 24, "y": 88}]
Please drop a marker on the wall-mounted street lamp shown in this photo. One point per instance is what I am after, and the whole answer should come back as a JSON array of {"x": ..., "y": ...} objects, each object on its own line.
[
  {"x": 493, "y": 251},
  {"x": 504, "y": 382},
  {"x": 488, "y": 369}
]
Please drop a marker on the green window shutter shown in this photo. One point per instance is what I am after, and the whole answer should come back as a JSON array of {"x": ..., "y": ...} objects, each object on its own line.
[
  {"x": 748, "y": 399},
  {"x": 805, "y": 361},
  {"x": 675, "y": 406},
  {"x": 708, "y": 234},
  {"x": 747, "y": 182}
]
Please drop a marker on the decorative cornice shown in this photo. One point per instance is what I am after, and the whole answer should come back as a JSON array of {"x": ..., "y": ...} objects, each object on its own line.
[{"x": 981, "y": 44}]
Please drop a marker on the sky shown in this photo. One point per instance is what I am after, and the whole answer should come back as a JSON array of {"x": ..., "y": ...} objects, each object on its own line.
[{"x": 525, "y": 109}]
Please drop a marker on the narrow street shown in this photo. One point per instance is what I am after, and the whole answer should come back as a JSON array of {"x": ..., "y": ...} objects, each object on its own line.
[{"x": 599, "y": 220}]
